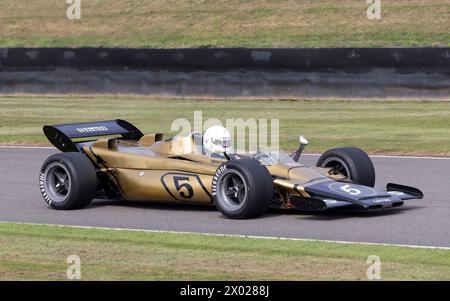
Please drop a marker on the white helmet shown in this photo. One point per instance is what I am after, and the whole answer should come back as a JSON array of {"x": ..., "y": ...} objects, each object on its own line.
[{"x": 217, "y": 139}]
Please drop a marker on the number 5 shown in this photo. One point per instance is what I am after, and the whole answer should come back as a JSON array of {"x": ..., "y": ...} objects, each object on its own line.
[
  {"x": 178, "y": 186},
  {"x": 353, "y": 191}
]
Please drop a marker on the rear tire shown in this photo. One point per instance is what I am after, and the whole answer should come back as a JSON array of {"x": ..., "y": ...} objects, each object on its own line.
[
  {"x": 353, "y": 162},
  {"x": 68, "y": 181},
  {"x": 242, "y": 189}
]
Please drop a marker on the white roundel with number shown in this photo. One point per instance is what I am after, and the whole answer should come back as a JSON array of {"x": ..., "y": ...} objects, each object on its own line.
[{"x": 354, "y": 190}]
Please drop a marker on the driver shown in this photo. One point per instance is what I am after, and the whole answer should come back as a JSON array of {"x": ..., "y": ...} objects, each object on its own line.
[{"x": 216, "y": 141}]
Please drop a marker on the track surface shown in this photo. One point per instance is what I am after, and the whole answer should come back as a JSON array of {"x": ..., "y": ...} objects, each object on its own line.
[{"x": 419, "y": 222}]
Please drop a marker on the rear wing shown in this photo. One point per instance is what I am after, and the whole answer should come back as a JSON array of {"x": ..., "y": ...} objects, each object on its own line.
[{"x": 61, "y": 135}]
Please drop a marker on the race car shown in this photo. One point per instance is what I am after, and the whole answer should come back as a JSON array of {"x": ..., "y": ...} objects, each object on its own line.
[{"x": 113, "y": 159}]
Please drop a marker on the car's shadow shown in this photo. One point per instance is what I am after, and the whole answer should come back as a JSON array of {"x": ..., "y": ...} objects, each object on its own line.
[
  {"x": 318, "y": 215},
  {"x": 344, "y": 214},
  {"x": 98, "y": 203},
  {"x": 151, "y": 205}
]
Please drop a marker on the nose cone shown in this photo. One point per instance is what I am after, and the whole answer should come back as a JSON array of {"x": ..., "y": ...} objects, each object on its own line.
[{"x": 302, "y": 174}]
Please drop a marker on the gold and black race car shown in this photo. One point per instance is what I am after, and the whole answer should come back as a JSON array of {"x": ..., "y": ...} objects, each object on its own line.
[{"x": 132, "y": 166}]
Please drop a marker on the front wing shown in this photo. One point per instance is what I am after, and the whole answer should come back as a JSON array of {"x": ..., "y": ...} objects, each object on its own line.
[{"x": 333, "y": 194}]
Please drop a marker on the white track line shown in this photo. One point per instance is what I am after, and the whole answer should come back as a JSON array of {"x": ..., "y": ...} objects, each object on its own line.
[
  {"x": 235, "y": 236},
  {"x": 374, "y": 156}
]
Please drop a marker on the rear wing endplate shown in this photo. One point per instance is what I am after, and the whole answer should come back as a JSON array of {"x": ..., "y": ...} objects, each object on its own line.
[{"x": 61, "y": 135}]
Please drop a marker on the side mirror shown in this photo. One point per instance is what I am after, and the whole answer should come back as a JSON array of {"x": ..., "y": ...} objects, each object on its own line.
[{"x": 303, "y": 142}]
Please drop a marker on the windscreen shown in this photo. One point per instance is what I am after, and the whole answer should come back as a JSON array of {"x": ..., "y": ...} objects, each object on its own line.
[{"x": 273, "y": 157}]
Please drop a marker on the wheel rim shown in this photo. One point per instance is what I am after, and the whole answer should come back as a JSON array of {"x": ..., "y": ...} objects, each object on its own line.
[
  {"x": 232, "y": 190},
  {"x": 57, "y": 182},
  {"x": 337, "y": 165}
]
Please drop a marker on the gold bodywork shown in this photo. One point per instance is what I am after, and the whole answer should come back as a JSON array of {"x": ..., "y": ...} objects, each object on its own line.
[{"x": 172, "y": 171}]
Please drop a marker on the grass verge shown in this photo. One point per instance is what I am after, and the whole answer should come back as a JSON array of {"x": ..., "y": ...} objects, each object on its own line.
[
  {"x": 35, "y": 252},
  {"x": 388, "y": 127},
  {"x": 231, "y": 23}
]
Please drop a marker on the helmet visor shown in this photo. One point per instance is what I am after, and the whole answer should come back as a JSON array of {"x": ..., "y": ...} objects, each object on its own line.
[{"x": 225, "y": 143}]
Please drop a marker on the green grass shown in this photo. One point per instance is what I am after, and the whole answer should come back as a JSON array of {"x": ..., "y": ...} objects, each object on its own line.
[
  {"x": 33, "y": 252},
  {"x": 220, "y": 23},
  {"x": 388, "y": 127}
]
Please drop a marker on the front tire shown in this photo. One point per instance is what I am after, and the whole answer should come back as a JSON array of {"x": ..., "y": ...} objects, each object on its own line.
[
  {"x": 242, "y": 189},
  {"x": 68, "y": 181},
  {"x": 352, "y": 162}
]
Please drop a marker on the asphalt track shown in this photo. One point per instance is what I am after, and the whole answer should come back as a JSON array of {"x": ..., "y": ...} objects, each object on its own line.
[{"x": 420, "y": 222}]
